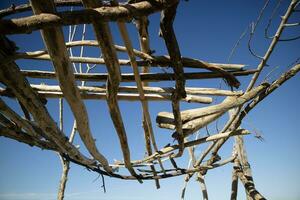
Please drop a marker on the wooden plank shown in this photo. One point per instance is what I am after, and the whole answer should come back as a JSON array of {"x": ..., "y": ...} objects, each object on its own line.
[{"x": 54, "y": 41}]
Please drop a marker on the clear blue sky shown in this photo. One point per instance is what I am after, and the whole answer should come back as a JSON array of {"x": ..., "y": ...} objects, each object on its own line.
[{"x": 205, "y": 30}]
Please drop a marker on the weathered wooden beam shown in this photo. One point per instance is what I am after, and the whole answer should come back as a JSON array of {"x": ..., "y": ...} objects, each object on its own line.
[
  {"x": 228, "y": 103},
  {"x": 55, "y": 44},
  {"x": 146, "y": 90},
  {"x": 153, "y": 61},
  {"x": 128, "y": 77},
  {"x": 145, "y": 108},
  {"x": 167, "y": 32},
  {"x": 57, "y": 93},
  {"x": 142, "y": 26},
  {"x": 86, "y": 16},
  {"x": 105, "y": 40}
]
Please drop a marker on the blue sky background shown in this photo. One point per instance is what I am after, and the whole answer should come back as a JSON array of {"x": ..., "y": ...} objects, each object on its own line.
[{"x": 205, "y": 30}]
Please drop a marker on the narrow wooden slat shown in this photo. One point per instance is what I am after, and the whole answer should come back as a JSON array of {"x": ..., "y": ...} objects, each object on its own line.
[
  {"x": 146, "y": 89},
  {"x": 146, "y": 115},
  {"x": 54, "y": 41},
  {"x": 147, "y": 77},
  {"x": 57, "y": 93},
  {"x": 167, "y": 32},
  {"x": 142, "y": 26},
  {"x": 105, "y": 40},
  {"x": 148, "y": 61}
]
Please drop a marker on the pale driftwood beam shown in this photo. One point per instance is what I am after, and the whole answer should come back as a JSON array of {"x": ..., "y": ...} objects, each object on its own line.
[
  {"x": 20, "y": 136},
  {"x": 27, "y": 7},
  {"x": 144, "y": 40},
  {"x": 200, "y": 117},
  {"x": 147, "y": 77},
  {"x": 120, "y": 96},
  {"x": 11, "y": 76},
  {"x": 146, "y": 89},
  {"x": 154, "y": 61},
  {"x": 145, "y": 108},
  {"x": 86, "y": 16},
  {"x": 60, "y": 59},
  {"x": 105, "y": 40},
  {"x": 88, "y": 92},
  {"x": 275, "y": 40},
  {"x": 228, "y": 103}
]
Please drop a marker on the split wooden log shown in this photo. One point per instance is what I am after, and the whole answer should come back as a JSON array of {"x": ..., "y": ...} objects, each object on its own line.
[
  {"x": 86, "y": 16},
  {"x": 128, "y": 77},
  {"x": 228, "y": 103}
]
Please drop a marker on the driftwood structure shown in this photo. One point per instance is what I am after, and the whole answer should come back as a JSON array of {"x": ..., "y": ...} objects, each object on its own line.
[{"x": 37, "y": 128}]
